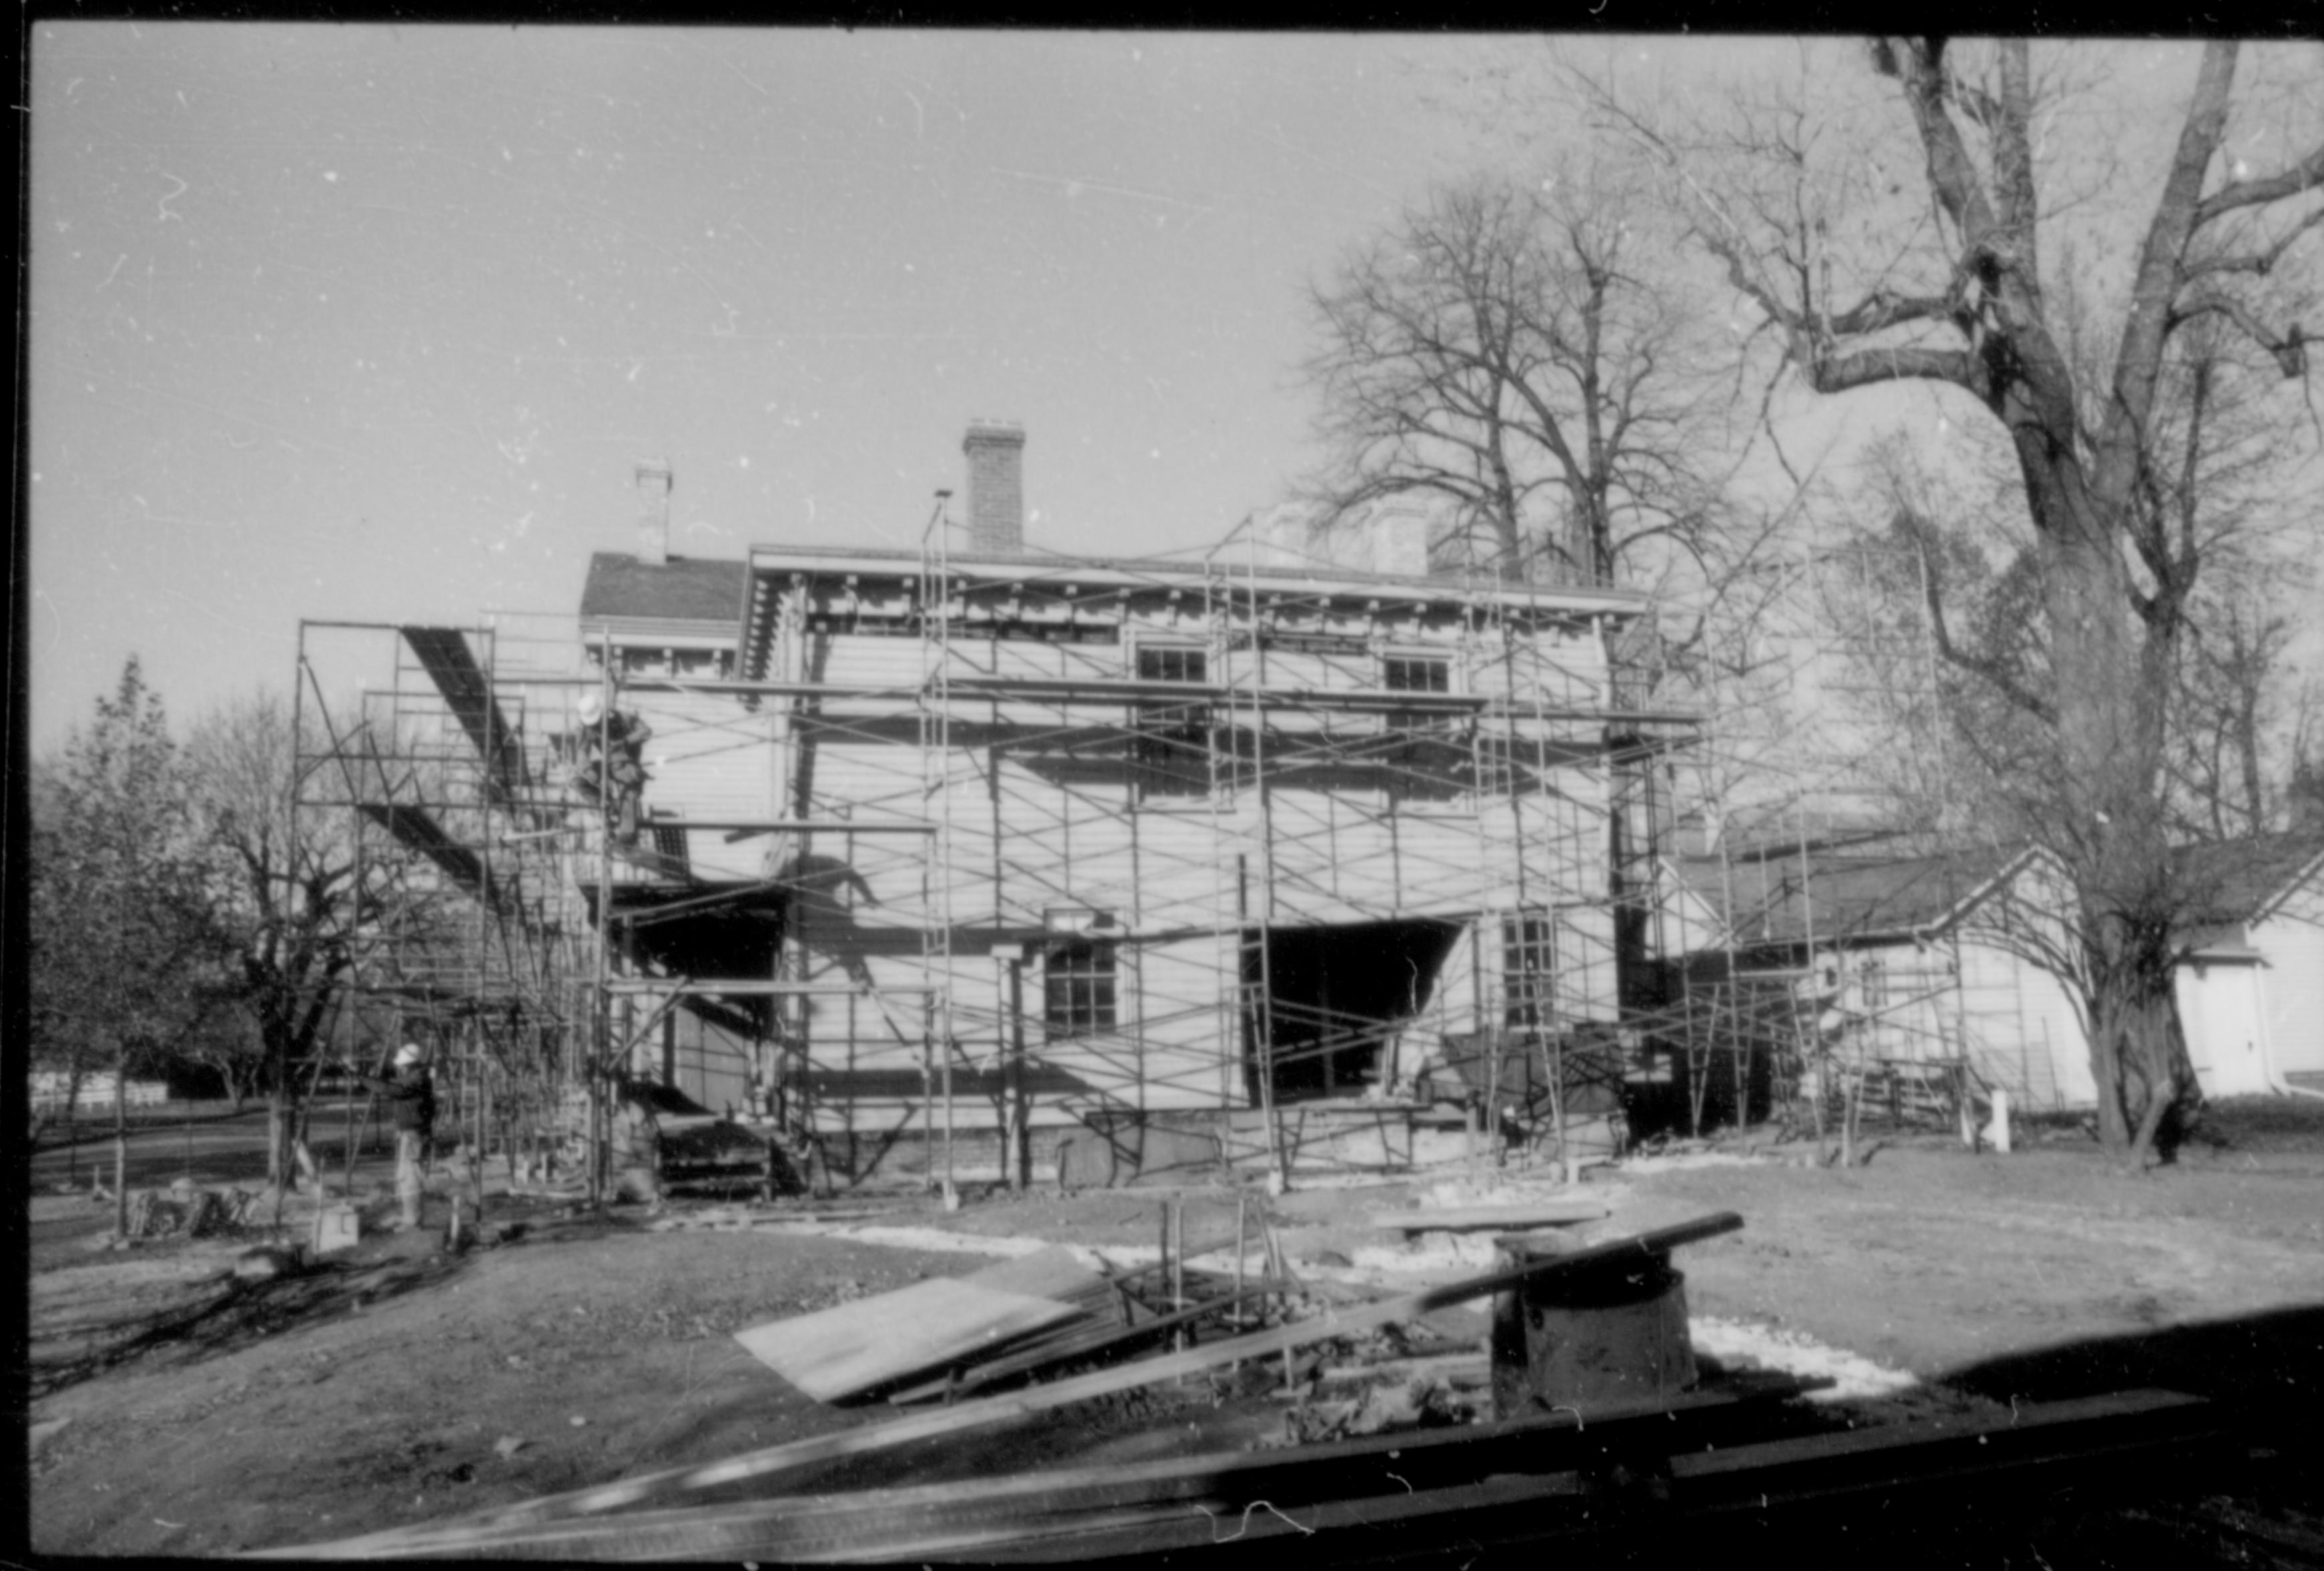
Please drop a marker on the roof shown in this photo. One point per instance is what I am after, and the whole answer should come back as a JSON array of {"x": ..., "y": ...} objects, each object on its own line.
[
  {"x": 2242, "y": 881},
  {"x": 682, "y": 589},
  {"x": 1823, "y": 897}
]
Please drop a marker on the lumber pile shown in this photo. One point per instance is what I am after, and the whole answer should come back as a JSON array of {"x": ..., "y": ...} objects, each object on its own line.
[
  {"x": 559, "y": 1525},
  {"x": 1708, "y": 1464}
]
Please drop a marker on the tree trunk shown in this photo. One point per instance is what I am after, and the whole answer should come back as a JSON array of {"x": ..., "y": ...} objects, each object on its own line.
[
  {"x": 278, "y": 1134},
  {"x": 72, "y": 1127},
  {"x": 2110, "y": 828},
  {"x": 121, "y": 1151}
]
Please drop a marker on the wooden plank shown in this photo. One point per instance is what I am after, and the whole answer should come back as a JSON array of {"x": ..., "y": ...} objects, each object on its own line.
[
  {"x": 1072, "y": 1349},
  {"x": 1052, "y": 1273},
  {"x": 453, "y": 1535},
  {"x": 850, "y": 1524},
  {"x": 1469, "y": 1219},
  {"x": 855, "y": 1348}
]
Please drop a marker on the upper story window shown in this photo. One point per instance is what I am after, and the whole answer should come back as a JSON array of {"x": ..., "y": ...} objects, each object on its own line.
[
  {"x": 1163, "y": 662},
  {"x": 701, "y": 664},
  {"x": 1417, "y": 673}
]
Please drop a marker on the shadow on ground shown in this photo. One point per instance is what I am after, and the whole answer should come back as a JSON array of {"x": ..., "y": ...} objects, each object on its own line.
[{"x": 228, "y": 1313}]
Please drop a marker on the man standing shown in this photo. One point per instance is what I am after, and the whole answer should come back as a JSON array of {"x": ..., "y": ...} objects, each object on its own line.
[{"x": 411, "y": 1093}]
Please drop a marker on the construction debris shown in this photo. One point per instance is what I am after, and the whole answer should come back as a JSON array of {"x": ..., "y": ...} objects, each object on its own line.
[{"x": 547, "y": 1522}]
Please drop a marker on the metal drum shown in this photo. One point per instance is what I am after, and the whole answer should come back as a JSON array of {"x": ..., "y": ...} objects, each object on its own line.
[{"x": 1615, "y": 1334}]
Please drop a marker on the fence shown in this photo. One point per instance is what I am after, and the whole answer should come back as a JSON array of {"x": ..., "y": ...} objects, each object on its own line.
[{"x": 51, "y": 1089}]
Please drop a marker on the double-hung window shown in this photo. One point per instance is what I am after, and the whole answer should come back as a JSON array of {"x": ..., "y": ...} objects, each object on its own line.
[
  {"x": 1077, "y": 986},
  {"x": 1170, "y": 746},
  {"x": 1528, "y": 970}
]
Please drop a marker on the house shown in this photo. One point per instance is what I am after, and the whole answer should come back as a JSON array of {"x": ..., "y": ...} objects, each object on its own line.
[
  {"x": 2251, "y": 978},
  {"x": 1933, "y": 958},
  {"x": 1926, "y": 959},
  {"x": 954, "y": 852}
]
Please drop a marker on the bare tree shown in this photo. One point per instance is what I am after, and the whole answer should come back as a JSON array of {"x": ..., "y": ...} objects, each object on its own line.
[
  {"x": 1867, "y": 286},
  {"x": 289, "y": 889},
  {"x": 1522, "y": 356}
]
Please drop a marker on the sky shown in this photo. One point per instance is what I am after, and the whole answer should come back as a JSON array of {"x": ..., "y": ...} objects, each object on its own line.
[{"x": 374, "y": 322}]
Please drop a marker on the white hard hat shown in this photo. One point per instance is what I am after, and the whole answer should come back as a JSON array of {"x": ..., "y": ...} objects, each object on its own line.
[
  {"x": 592, "y": 708},
  {"x": 409, "y": 1053}
]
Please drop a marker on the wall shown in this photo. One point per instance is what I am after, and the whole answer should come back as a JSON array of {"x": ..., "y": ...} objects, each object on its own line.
[{"x": 2293, "y": 941}]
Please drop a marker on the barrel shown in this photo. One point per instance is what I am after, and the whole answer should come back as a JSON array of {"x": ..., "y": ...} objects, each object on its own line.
[{"x": 1615, "y": 1333}]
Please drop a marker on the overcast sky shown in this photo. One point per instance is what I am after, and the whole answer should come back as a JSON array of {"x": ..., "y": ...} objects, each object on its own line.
[{"x": 374, "y": 322}]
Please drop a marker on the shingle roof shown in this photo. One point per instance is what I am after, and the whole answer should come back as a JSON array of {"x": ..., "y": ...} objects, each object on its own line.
[
  {"x": 2236, "y": 881},
  {"x": 682, "y": 589},
  {"x": 1782, "y": 901}
]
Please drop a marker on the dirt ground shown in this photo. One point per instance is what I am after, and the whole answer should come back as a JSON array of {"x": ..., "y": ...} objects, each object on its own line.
[{"x": 406, "y": 1382}]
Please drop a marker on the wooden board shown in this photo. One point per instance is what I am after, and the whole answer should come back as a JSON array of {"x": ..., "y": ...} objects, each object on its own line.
[
  {"x": 1052, "y": 1273},
  {"x": 1469, "y": 1219},
  {"x": 851, "y": 1349}
]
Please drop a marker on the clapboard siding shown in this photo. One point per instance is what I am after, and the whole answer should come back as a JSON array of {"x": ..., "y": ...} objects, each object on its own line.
[{"x": 2293, "y": 941}]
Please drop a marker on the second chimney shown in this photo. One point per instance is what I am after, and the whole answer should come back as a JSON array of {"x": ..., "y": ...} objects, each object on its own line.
[
  {"x": 653, "y": 511},
  {"x": 996, "y": 488}
]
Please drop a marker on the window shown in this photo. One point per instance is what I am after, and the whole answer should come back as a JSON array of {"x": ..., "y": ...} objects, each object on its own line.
[
  {"x": 1528, "y": 968},
  {"x": 1169, "y": 753},
  {"x": 1077, "y": 986},
  {"x": 1427, "y": 758},
  {"x": 1413, "y": 673},
  {"x": 1170, "y": 663}
]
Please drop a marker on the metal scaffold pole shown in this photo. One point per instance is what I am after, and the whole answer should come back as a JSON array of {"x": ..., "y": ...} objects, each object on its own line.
[{"x": 935, "y": 885}]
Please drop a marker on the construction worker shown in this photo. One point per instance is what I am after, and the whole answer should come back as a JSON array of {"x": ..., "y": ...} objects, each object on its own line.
[
  {"x": 411, "y": 1093},
  {"x": 612, "y": 765}
]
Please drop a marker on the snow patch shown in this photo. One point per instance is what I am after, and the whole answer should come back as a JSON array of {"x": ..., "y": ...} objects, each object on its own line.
[{"x": 1855, "y": 1377}]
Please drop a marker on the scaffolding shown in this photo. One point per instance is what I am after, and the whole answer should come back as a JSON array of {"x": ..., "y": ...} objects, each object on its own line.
[
  {"x": 1186, "y": 788},
  {"x": 978, "y": 848},
  {"x": 1795, "y": 1008},
  {"x": 431, "y": 754}
]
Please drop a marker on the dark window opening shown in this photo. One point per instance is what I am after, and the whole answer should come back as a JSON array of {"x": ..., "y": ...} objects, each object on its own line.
[
  {"x": 1170, "y": 752},
  {"x": 1077, "y": 986},
  {"x": 1403, "y": 673},
  {"x": 1528, "y": 969},
  {"x": 1427, "y": 759},
  {"x": 1319, "y": 1002},
  {"x": 1164, "y": 663}
]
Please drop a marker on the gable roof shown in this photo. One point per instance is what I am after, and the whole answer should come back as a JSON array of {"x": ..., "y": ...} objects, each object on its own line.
[
  {"x": 682, "y": 589},
  {"x": 2242, "y": 881},
  {"x": 1829, "y": 898}
]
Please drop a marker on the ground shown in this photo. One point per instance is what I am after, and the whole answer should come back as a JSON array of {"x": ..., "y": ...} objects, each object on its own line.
[{"x": 407, "y": 1382}]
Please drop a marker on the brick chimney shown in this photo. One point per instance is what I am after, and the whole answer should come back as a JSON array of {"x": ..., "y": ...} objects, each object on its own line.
[
  {"x": 653, "y": 511},
  {"x": 996, "y": 487}
]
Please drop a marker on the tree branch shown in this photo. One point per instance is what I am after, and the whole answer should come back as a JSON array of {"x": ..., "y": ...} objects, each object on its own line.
[
  {"x": 2307, "y": 174},
  {"x": 2261, "y": 262},
  {"x": 2289, "y": 351}
]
